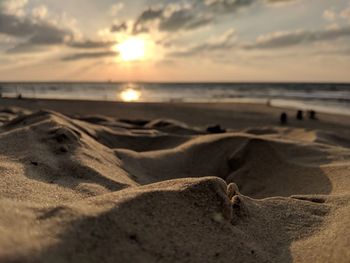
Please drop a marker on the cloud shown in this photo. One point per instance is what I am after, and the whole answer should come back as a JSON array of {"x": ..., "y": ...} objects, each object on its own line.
[
  {"x": 345, "y": 13},
  {"x": 34, "y": 33},
  {"x": 275, "y": 40},
  {"x": 39, "y": 32},
  {"x": 116, "y": 8},
  {"x": 119, "y": 27},
  {"x": 176, "y": 17},
  {"x": 172, "y": 18},
  {"x": 329, "y": 15},
  {"x": 91, "y": 44},
  {"x": 231, "y": 6},
  {"x": 13, "y": 7},
  {"x": 339, "y": 51},
  {"x": 5, "y": 39},
  {"x": 89, "y": 55},
  {"x": 25, "y": 48},
  {"x": 335, "y": 16},
  {"x": 146, "y": 16},
  {"x": 221, "y": 43},
  {"x": 150, "y": 14},
  {"x": 184, "y": 19},
  {"x": 227, "y": 6},
  {"x": 280, "y": 3},
  {"x": 287, "y": 39},
  {"x": 30, "y": 31},
  {"x": 40, "y": 12}
]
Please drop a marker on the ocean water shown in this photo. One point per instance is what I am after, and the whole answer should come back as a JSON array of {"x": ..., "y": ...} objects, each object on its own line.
[{"x": 329, "y": 98}]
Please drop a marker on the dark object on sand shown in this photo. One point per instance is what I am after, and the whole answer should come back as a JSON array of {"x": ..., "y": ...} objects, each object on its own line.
[
  {"x": 34, "y": 163},
  {"x": 19, "y": 96},
  {"x": 312, "y": 115},
  {"x": 284, "y": 118},
  {"x": 215, "y": 129},
  {"x": 300, "y": 115},
  {"x": 63, "y": 149}
]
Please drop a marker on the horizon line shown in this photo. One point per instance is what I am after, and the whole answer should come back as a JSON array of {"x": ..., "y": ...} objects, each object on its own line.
[{"x": 168, "y": 82}]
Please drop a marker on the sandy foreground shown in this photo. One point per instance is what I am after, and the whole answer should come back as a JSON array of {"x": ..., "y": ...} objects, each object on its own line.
[{"x": 114, "y": 182}]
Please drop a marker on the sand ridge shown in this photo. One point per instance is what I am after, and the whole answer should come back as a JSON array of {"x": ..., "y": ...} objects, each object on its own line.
[{"x": 100, "y": 189}]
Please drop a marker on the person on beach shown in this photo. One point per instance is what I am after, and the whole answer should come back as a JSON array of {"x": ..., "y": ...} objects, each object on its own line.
[
  {"x": 284, "y": 118},
  {"x": 300, "y": 116},
  {"x": 312, "y": 115}
]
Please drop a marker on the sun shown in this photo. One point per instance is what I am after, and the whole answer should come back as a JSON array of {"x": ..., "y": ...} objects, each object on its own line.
[
  {"x": 132, "y": 49},
  {"x": 130, "y": 95}
]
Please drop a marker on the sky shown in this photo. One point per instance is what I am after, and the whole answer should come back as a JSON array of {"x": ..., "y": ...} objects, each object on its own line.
[{"x": 174, "y": 41}]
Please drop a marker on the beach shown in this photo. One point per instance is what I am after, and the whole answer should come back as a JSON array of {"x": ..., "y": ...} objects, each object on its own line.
[{"x": 88, "y": 181}]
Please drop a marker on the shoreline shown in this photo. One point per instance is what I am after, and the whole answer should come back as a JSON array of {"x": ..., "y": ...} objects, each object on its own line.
[
  {"x": 148, "y": 110},
  {"x": 274, "y": 103}
]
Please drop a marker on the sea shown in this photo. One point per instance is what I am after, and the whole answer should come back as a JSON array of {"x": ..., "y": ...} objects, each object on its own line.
[{"x": 321, "y": 97}]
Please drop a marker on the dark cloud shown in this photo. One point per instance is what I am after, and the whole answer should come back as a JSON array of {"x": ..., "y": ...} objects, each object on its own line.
[
  {"x": 181, "y": 19},
  {"x": 228, "y": 6},
  {"x": 39, "y": 32},
  {"x": 91, "y": 44},
  {"x": 287, "y": 39},
  {"x": 184, "y": 19},
  {"x": 119, "y": 27},
  {"x": 278, "y": 1},
  {"x": 150, "y": 14},
  {"x": 36, "y": 35},
  {"x": 232, "y": 6},
  {"x": 271, "y": 41},
  {"x": 89, "y": 55},
  {"x": 35, "y": 32},
  {"x": 189, "y": 17},
  {"x": 26, "y": 48},
  {"x": 146, "y": 16}
]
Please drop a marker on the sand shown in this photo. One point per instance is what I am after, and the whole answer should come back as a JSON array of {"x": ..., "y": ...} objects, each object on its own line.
[{"x": 113, "y": 182}]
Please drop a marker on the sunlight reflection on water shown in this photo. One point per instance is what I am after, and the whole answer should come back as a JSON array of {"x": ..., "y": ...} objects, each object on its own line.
[{"x": 130, "y": 93}]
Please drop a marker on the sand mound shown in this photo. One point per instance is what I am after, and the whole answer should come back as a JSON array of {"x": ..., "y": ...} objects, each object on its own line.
[
  {"x": 106, "y": 228},
  {"x": 96, "y": 189},
  {"x": 261, "y": 167},
  {"x": 332, "y": 138},
  {"x": 45, "y": 156},
  {"x": 7, "y": 114},
  {"x": 137, "y": 135}
]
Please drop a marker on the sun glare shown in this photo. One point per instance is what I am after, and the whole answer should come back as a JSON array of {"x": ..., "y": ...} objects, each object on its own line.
[
  {"x": 130, "y": 95},
  {"x": 132, "y": 49}
]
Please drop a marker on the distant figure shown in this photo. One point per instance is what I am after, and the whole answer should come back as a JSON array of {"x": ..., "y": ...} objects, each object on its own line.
[
  {"x": 300, "y": 116},
  {"x": 215, "y": 129},
  {"x": 284, "y": 118},
  {"x": 19, "y": 96},
  {"x": 312, "y": 115}
]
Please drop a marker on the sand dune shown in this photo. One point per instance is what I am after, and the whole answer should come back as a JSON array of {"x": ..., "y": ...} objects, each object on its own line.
[{"x": 92, "y": 188}]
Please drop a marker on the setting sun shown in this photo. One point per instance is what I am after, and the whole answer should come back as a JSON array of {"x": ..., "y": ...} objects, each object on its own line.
[
  {"x": 130, "y": 95},
  {"x": 132, "y": 49}
]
